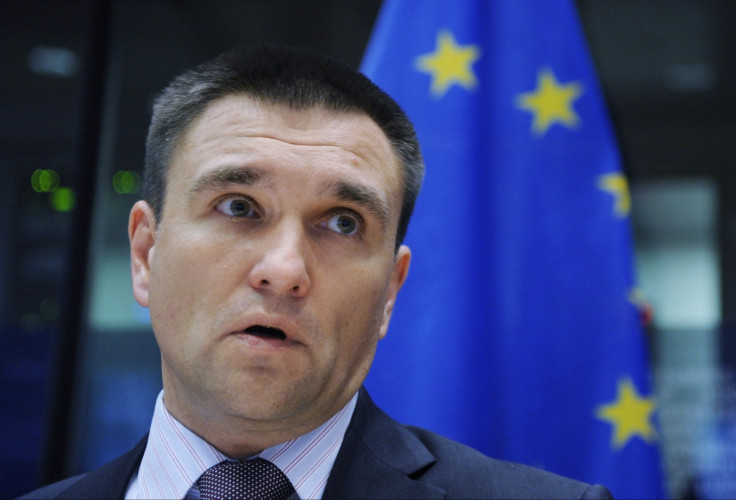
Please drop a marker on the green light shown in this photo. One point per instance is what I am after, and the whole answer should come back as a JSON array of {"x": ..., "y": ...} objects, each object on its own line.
[
  {"x": 63, "y": 199},
  {"x": 126, "y": 182},
  {"x": 44, "y": 181}
]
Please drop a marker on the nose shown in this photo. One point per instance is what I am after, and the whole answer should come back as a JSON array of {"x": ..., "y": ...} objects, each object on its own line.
[{"x": 282, "y": 268}]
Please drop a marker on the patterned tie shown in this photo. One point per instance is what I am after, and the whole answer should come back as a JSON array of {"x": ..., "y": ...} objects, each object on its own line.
[{"x": 251, "y": 479}]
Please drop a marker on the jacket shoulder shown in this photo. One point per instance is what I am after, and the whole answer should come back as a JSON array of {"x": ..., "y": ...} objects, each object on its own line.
[
  {"x": 381, "y": 458},
  {"x": 52, "y": 490},
  {"x": 108, "y": 481},
  {"x": 466, "y": 473}
]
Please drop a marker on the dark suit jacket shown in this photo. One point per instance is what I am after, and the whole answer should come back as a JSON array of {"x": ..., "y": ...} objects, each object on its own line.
[{"x": 379, "y": 458}]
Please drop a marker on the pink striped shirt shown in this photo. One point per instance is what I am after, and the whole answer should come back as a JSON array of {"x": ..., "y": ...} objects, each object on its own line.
[{"x": 175, "y": 457}]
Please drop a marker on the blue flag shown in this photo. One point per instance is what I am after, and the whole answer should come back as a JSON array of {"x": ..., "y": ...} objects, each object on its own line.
[{"x": 517, "y": 331}]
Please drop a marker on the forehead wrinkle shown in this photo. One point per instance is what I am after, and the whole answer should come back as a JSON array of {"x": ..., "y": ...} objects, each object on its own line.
[
  {"x": 363, "y": 196},
  {"x": 227, "y": 176}
]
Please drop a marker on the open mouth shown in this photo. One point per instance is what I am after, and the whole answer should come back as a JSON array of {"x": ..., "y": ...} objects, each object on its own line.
[{"x": 265, "y": 332}]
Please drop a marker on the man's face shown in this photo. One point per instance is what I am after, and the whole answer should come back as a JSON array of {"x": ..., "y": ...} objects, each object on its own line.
[{"x": 271, "y": 274}]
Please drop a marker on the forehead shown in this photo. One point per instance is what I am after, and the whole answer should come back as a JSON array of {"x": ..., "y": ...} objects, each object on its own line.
[{"x": 230, "y": 120}]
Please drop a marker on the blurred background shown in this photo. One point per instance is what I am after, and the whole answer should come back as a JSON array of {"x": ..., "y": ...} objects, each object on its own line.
[{"x": 80, "y": 368}]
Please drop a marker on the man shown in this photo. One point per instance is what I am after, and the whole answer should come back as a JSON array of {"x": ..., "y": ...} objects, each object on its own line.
[{"x": 278, "y": 190}]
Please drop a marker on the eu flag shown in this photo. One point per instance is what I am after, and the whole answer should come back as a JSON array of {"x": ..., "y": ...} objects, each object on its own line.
[{"x": 517, "y": 331}]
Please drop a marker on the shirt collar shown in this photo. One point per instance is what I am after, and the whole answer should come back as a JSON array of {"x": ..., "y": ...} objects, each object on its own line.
[{"x": 175, "y": 457}]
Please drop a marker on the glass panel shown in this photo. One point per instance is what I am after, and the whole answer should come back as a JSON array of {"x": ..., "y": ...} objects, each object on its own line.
[
  {"x": 42, "y": 46},
  {"x": 675, "y": 224}
]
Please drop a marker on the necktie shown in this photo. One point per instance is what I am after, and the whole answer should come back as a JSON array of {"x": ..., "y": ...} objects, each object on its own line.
[{"x": 251, "y": 479}]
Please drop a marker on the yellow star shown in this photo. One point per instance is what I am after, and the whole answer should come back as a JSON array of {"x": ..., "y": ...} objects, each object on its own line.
[
  {"x": 630, "y": 415},
  {"x": 450, "y": 64},
  {"x": 617, "y": 185},
  {"x": 551, "y": 102}
]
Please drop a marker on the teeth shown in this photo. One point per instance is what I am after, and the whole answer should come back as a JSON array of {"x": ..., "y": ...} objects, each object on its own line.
[{"x": 264, "y": 331}]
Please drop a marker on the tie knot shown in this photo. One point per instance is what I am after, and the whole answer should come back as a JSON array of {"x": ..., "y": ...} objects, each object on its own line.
[{"x": 251, "y": 479}]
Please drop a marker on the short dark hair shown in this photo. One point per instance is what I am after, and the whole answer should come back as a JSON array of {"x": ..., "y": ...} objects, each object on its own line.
[{"x": 296, "y": 77}]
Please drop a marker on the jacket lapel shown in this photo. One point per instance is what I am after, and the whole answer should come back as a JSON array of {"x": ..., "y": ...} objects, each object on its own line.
[{"x": 379, "y": 459}]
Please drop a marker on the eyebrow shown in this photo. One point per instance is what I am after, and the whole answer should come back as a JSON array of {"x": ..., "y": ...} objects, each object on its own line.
[
  {"x": 364, "y": 197},
  {"x": 227, "y": 176}
]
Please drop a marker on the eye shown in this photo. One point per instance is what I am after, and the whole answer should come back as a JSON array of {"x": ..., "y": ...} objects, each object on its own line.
[
  {"x": 343, "y": 223},
  {"x": 237, "y": 207}
]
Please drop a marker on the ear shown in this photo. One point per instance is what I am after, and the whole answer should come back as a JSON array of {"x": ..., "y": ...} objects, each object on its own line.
[
  {"x": 142, "y": 236},
  {"x": 398, "y": 276}
]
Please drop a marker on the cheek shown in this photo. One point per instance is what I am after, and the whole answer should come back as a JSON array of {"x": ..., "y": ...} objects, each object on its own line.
[
  {"x": 178, "y": 280},
  {"x": 170, "y": 291},
  {"x": 184, "y": 265},
  {"x": 359, "y": 313}
]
